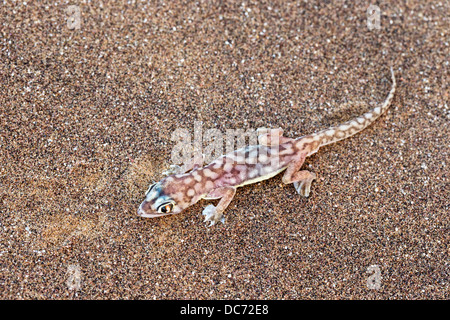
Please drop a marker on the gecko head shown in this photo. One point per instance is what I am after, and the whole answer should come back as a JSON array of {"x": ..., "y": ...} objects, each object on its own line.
[{"x": 157, "y": 203}]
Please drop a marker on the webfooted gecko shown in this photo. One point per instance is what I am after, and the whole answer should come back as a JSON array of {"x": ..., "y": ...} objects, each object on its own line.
[{"x": 274, "y": 154}]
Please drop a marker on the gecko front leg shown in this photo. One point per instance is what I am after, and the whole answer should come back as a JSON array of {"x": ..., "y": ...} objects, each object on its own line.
[
  {"x": 214, "y": 214},
  {"x": 301, "y": 179}
]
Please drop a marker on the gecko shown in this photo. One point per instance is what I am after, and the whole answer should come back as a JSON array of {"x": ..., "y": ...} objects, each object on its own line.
[{"x": 273, "y": 154}]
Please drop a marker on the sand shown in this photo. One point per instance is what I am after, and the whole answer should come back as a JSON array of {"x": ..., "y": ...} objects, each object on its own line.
[{"x": 88, "y": 107}]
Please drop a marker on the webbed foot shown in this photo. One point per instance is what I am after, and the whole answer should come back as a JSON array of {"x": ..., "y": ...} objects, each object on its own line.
[
  {"x": 212, "y": 215},
  {"x": 303, "y": 186}
]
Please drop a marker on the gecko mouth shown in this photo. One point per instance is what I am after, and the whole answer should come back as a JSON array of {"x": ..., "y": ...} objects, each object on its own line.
[
  {"x": 142, "y": 214},
  {"x": 149, "y": 215}
]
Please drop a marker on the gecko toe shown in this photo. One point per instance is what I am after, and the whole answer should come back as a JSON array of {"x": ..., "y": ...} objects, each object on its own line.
[
  {"x": 209, "y": 213},
  {"x": 209, "y": 210}
]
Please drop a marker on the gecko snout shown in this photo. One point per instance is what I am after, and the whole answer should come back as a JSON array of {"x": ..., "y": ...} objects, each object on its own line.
[
  {"x": 145, "y": 210},
  {"x": 140, "y": 212}
]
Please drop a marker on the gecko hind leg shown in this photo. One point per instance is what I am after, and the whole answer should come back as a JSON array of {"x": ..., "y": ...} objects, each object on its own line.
[
  {"x": 271, "y": 137},
  {"x": 301, "y": 179},
  {"x": 214, "y": 214}
]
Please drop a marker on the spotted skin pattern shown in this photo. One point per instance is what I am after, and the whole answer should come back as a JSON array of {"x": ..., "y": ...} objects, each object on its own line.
[{"x": 274, "y": 154}]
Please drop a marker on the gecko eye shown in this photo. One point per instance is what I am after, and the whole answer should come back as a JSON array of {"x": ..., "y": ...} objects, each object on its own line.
[
  {"x": 165, "y": 208},
  {"x": 150, "y": 188}
]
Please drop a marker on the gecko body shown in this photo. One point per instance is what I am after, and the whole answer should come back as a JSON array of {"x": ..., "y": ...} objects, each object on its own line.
[{"x": 274, "y": 154}]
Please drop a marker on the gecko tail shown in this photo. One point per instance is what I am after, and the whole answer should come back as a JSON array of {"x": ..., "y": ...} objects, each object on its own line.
[{"x": 351, "y": 127}]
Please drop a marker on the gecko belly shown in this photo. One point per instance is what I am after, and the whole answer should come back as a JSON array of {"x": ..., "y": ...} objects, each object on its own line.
[{"x": 262, "y": 178}]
